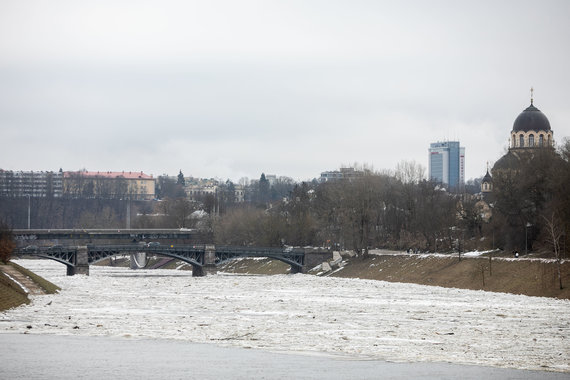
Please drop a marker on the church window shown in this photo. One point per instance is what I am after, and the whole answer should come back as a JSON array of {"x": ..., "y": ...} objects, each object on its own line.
[
  {"x": 531, "y": 140},
  {"x": 541, "y": 140},
  {"x": 521, "y": 141}
]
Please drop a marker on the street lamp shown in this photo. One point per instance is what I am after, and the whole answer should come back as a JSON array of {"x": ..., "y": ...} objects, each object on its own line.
[
  {"x": 526, "y": 237},
  {"x": 28, "y": 211}
]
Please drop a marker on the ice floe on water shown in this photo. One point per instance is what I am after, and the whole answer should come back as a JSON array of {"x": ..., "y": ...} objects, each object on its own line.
[{"x": 302, "y": 313}]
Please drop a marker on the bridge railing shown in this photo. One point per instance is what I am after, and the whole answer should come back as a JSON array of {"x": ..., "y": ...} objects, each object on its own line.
[
  {"x": 260, "y": 250},
  {"x": 144, "y": 247}
]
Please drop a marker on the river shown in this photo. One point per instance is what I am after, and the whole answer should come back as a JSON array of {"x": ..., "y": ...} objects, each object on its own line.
[
  {"x": 167, "y": 324},
  {"x": 26, "y": 356}
]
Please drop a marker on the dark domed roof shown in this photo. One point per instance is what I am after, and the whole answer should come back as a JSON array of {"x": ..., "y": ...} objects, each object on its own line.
[
  {"x": 510, "y": 160},
  {"x": 531, "y": 119}
]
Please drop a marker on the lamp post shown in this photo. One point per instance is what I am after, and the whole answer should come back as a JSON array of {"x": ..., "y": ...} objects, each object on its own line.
[
  {"x": 526, "y": 237},
  {"x": 28, "y": 211}
]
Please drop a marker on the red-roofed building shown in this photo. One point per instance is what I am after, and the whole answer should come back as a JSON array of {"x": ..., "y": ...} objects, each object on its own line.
[{"x": 118, "y": 185}]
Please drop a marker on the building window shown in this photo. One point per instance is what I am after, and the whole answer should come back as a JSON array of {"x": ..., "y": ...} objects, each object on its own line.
[
  {"x": 514, "y": 141},
  {"x": 521, "y": 141},
  {"x": 541, "y": 140},
  {"x": 531, "y": 140}
]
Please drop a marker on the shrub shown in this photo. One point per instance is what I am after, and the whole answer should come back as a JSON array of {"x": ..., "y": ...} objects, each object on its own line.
[{"x": 7, "y": 244}]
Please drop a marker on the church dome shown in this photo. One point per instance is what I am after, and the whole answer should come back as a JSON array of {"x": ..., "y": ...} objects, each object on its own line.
[
  {"x": 510, "y": 160},
  {"x": 531, "y": 119}
]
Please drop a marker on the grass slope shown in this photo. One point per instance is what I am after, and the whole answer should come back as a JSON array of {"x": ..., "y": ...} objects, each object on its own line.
[
  {"x": 529, "y": 277},
  {"x": 12, "y": 295}
]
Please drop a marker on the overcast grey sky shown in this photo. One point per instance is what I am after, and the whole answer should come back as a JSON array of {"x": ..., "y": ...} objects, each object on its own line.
[{"x": 231, "y": 89}]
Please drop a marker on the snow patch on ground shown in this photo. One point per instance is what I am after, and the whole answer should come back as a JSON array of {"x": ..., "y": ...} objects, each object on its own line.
[
  {"x": 475, "y": 253},
  {"x": 17, "y": 283},
  {"x": 302, "y": 313}
]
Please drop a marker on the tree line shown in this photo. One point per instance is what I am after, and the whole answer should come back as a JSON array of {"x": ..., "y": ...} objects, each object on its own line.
[
  {"x": 399, "y": 210},
  {"x": 529, "y": 211}
]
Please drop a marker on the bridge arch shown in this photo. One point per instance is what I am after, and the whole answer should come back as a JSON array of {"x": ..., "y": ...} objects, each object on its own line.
[
  {"x": 192, "y": 255},
  {"x": 59, "y": 260},
  {"x": 293, "y": 257}
]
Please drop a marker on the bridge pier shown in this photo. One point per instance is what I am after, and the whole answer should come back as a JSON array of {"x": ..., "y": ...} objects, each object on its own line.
[
  {"x": 296, "y": 269},
  {"x": 313, "y": 257},
  {"x": 209, "y": 265},
  {"x": 138, "y": 260},
  {"x": 81, "y": 263},
  {"x": 197, "y": 271}
]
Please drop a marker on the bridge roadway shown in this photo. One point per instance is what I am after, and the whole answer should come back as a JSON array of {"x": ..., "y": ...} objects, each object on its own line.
[{"x": 201, "y": 257}]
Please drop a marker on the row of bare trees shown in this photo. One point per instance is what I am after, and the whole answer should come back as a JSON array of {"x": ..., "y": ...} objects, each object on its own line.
[
  {"x": 373, "y": 209},
  {"x": 46, "y": 213},
  {"x": 79, "y": 186}
]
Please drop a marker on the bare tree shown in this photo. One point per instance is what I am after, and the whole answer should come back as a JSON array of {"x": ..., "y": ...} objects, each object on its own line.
[
  {"x": 241, "y": 226},
  {"x": 178, "y": 212},
  {"x": 410, "y": 172},
  {"x": 300, "y": 216},
  {"x": 555, "y": 230}
]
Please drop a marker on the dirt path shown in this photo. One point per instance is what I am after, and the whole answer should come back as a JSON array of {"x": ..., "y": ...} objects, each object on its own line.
[{"x": 24, "y": 281}]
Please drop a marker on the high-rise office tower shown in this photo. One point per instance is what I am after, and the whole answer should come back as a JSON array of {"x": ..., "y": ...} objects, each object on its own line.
[{"x": 447, "y": 163}]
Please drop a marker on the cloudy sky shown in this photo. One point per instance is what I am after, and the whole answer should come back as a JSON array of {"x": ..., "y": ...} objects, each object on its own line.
[{"x": 231, "y": 89}]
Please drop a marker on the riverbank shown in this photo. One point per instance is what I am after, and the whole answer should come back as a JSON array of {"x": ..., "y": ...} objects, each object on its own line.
[{"x": 529, "y": 276}]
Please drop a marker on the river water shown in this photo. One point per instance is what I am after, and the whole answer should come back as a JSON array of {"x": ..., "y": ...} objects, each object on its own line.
[
  {"x": 124, "y": 323},
  {"x": 26, "y": 356}
]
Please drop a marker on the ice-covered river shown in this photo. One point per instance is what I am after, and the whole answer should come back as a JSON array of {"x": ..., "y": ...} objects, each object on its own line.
[{"x": 350, "y": 318}]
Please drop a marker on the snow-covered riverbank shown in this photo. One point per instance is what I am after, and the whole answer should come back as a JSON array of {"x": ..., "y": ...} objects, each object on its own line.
[{"x": 303, "y": 313}]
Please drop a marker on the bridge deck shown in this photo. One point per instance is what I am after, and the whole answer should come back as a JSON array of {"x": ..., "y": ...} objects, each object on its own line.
[{"x": 90, "y": 234}]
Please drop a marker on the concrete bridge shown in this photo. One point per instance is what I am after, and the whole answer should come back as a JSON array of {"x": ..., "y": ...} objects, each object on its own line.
[{"x": 202, "y": 257}]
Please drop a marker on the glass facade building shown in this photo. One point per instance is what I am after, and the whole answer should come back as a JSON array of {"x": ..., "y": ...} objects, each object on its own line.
[{"x": 447, "y": 163}]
